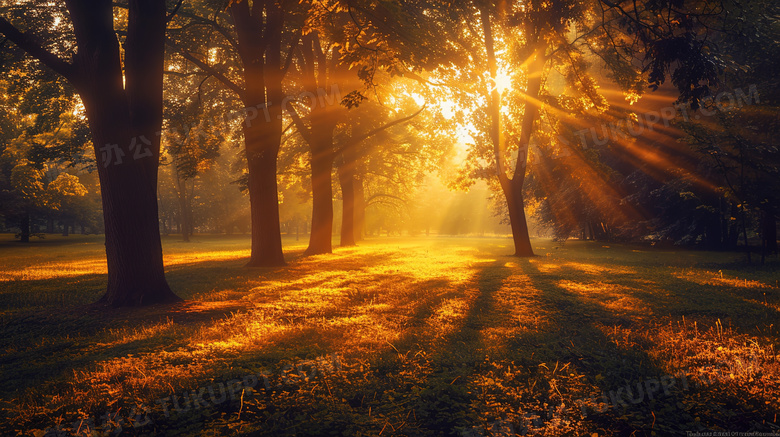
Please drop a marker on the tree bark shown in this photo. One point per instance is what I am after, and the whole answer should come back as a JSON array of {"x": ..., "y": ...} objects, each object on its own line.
[
  {"x": 258, "y": 27},
  {"x": 264, "y": 201},
  {"x": 119, "y": 114},
  {"x": 262, "y": 96},
  {"x": 320, "y": 239},
  {"x": 347, "y": 182},
  {"x": 124, "y": 109},
  {"x": 318, "y": 71},
  {"x": 513, "y": 193}
]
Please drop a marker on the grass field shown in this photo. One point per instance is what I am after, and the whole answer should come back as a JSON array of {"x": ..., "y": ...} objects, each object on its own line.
[{"x": 417, "y": 337}]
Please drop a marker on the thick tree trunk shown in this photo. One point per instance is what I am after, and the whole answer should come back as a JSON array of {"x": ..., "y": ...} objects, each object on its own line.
[
  {"x": 318, "y": 71},
  {"x": 262, "y": 97},
  {"x": 513, "y": 188},
  {"x": 262, "y": 139},
  {"x": 123, "y": 102},
  {"x": 347, "y": 182},
  {"x": 133, "y": 247},
  {"x": 264, "y": 205},
  {"x": 119, "y": 116},
  {"x": 24, "y": 227},
  {"x": 320, "y": 239},
  {"x": 129, "y": 194},
  {"x": 517, "y": 219}
]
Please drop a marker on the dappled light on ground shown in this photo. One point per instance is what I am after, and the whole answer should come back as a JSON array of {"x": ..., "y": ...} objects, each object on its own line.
[{"x": 440, "y": 335}]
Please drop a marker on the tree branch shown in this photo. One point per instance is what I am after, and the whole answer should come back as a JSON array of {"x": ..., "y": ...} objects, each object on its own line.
[
  {"x": 213, "y": 24},
  {"x": 304, "y": 131},
  {"x": 290, "y": 53},
  {"x": 31, "y": 45},
  {"x": 207, "y": 68},
  {"x": 376, "y": 196},
  {"x": 173, "y": 12},
  {"x": 375, "y": 131}
]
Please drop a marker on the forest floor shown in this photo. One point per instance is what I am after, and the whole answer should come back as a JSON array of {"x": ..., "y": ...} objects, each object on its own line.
[{"x": 417, "y": 337}]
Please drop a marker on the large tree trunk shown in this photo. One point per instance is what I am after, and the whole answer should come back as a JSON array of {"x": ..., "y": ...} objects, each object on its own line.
[
  {"x": 264, "y": 203},
  {"x": 318, "y": 71},
  {"x": 119, "y": 116},
  {"x": 262, "y": 133},
  {"x": 262, "y": 139},
  {"x": 347, "y": 182},
  {"x": 513, "y": 188},
  {"x": 517, "y": 219},
  {"x": 320, "y": 240},
  {"x": 133, "y": 247}
]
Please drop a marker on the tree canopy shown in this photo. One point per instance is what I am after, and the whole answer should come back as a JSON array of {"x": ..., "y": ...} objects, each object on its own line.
[{"x": 284, "y": 111}]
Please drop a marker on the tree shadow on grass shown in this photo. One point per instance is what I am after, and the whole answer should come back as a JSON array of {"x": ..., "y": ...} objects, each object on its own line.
[
  {"x": 564, "y": 373},
  {"x": 505, "y": 345},
  {"x": 51, "y": 346},
  {"x": 612, "y": 363},
  {"x": 46, "y": 346}
]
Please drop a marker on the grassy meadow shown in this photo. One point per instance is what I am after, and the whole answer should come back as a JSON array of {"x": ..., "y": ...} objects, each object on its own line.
[{"x": 414, "y": 337}]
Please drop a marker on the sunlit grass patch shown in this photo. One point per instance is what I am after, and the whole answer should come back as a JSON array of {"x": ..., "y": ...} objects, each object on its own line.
[
  {"x": 435, "y": 337},
  {"x": 714, "y": 278},
  {"x": 719, "y": 367},
  {"x": 56, "y": 270},
  {"x": 588, "y": 268},
  {"x": 613, "y": 297}
]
